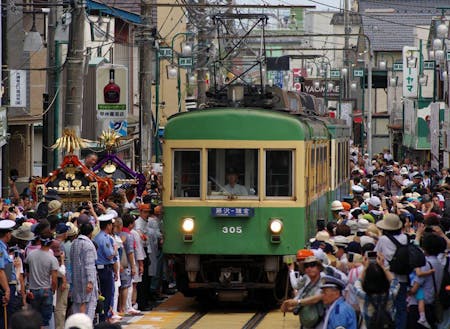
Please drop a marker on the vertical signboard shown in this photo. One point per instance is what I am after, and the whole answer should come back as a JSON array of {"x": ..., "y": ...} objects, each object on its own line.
[
  {"x": 18, "y": 88},
  {"x": 434, "y": 134},
  {"x": 409, "y": 121},
  {"x": 3, "y": 126},
  {"x": 410, "y": 71},
  {"x": 112, "y": 92}
]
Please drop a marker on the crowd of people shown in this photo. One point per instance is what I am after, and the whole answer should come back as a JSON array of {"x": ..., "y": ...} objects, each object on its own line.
[
  {"x": 93, "y": 262},
  {"x": 381, "y": 261}
]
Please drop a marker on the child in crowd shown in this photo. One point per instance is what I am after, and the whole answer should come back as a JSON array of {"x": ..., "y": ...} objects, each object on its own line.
[{"x": 419, "y": 294}]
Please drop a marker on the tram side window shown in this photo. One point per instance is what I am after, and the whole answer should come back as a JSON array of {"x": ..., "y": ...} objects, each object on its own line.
[
  {"x": 186, "y": 178},
  {"x": 232, "y": 172},
  {"x": 279, "y": 173}
]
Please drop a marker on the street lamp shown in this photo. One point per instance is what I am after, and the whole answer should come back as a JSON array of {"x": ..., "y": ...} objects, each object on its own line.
[
  {"x": 172, "y": 71},
  {"x": 423, "y": 79},
  {"x": 186, "y": 51},
  {"x": 33, "y": 40},
  {"x": 393, "y": 81},
  {"x": 411, "y": 61}
]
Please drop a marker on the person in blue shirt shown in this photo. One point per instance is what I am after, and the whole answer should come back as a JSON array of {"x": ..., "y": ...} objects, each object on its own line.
[
  {"x": 8, "y": 280},
  {"x": 339, "y": 313},
  {"x": 106, "y": 258}
]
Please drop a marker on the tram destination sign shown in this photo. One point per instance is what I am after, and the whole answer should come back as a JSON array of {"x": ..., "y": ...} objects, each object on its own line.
[{"x": 232, "y": 212}]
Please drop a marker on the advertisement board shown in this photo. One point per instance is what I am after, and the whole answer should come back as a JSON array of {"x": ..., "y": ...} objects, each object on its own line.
[{"x": 112, "y": 92}]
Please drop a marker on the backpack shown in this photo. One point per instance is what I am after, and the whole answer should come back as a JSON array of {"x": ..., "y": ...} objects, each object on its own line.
[
  {"x": 381, "y": 318},
  {"x": 406, "y": 258}
]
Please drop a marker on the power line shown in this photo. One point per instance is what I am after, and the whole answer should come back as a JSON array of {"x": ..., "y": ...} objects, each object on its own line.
[{"x": 375, "y": 17}]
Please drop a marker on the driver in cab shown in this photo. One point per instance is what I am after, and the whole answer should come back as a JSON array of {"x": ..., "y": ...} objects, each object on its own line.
[{"x": 233, "y": 187}]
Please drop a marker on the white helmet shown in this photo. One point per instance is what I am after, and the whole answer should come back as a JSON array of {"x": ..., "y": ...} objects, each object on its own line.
[{"x": 336, "y": 205}]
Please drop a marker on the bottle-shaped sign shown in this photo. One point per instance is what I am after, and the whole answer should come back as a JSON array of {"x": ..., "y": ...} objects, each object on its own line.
[{"x": 111, "y": 92}]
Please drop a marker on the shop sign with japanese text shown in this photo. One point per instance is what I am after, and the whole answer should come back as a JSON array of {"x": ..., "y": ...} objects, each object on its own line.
[{"x": 410, "y": 71}]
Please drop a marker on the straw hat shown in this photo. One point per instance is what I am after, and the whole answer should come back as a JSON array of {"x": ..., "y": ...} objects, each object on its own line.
[
  {"x": 323, "y": 236},
  {"x": 309, "y": 260},
  {"x": 373, "y": 231},
  {"x": 73, "y": 230},
  {"x": 23, "y": 232},
  {"x": 336, "y": 205},
  {"x": 54, "y": 206},
  {"x": 390, "y": 222}
]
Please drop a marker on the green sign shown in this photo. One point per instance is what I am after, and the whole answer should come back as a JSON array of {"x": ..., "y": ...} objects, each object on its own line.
[
  {"x": 115, "y": 107},
  {"x": 358, "y": 73},
  {"x": 335, "y": 73},
  {"x": 185, "y": 61},
  {"x": 428, "y": 65},
  {"x": 448, "y": 55},
  {"x": 165, "y": 52},
  {"x": 398, "y": 67}
]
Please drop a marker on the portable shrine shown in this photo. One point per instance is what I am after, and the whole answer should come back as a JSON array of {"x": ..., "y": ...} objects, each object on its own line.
[
  {"x": 72, "y": 180},
  {"x": 113, "y": 167}
]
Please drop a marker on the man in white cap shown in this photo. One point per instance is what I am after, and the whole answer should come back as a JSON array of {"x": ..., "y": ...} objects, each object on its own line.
[
  {"x": 106, "y": 260},
  {"x": 339, "y": 314},
  {"x": 79, "y": 321},
  {"x": 374, "y": 204},
  {"x": 336, "y": 208},
  {"x": 8, "y": 279},
  {"x": 341, "y": 242}
]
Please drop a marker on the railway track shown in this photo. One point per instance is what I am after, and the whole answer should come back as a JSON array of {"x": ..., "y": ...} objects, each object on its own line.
[{"x": 179, "y": 312}]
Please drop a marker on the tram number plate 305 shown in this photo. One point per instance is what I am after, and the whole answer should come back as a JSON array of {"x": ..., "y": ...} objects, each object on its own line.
[{"x": 232, "y": 229}]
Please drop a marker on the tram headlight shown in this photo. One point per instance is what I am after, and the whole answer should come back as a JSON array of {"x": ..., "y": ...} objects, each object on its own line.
[
  {"x": 188, "y": 225},
  {"x": 276, "y": 226}
]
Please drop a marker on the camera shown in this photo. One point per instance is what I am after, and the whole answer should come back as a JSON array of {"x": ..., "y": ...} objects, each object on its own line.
[
  {"x": 351, "y": 257},
  {"x": 13, "y": 174},
  {"x": 85, "y": 205},
  {"x": 372, "y": 256},
  {"x": 429, "y": 229}
]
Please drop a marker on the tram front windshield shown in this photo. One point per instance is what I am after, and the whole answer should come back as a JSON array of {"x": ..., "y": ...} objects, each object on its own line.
[{"x": 233, "y": 173}]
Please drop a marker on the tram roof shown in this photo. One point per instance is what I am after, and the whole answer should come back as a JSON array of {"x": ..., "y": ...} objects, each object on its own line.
[
  {"x": 336, "y": 127},
  {"x": 242, "y": 124}
]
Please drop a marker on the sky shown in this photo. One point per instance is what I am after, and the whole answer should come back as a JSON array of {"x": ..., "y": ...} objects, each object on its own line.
[
  {"x": 320, "y": 4},
  {"x": 325, "y": 6}
]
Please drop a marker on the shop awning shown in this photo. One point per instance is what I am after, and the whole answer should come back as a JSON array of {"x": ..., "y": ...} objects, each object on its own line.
[{"x": 113, "y": 11}]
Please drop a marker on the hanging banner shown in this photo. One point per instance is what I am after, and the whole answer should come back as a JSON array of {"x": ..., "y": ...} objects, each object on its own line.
[
  {"x": 410, "y": 71},
  {"x": 409, "y": 122},
  {"x": 434, "y": 135},
  {"x": 18, "y": 88}
]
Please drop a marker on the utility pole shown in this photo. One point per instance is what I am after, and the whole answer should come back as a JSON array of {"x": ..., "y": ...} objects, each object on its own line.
[
  {"x": 145, "y": 108},
  {"x": 346, "y": 45},
  {"x": 202, "y": 59},
  {"x": 49, "y": 133},
  {"x": 75, "y": 69},
  {"x": 369, "y": 102}
]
